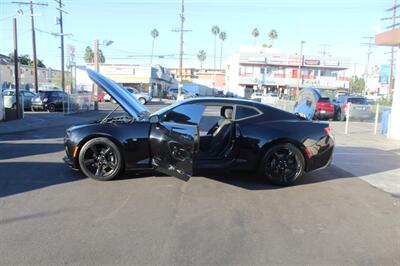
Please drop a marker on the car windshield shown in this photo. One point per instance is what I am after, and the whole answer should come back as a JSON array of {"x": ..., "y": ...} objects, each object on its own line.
[
  {"x": 8, "y": 93},
  {"x": 324, "y": 100},
  {"x": 357, "y": 100}
]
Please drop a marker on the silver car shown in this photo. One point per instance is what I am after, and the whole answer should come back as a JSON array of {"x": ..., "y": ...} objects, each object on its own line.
[{"x": 142, "y": 97}]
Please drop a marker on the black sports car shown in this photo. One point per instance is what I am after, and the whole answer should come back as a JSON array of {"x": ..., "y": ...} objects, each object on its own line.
[{"x": 199, "y": 133}]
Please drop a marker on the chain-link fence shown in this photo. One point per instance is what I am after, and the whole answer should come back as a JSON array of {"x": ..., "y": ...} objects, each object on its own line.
[
  {"x": 75, "y": 103},
  {"x": 282, "y": 104},
  {"x": 355, "y": 117}
]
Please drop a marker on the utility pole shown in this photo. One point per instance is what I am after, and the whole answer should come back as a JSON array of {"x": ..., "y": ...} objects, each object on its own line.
[
  {"x": 182, "y": 15},
  {"x": 16, "y": 69},
  {"x": 369, "y": 52},
  {"x": 60, "y": 22},
  {"x": 181, "y": 30},
  {"x": 392, "y": 50},
  {"x": 324, "y": 51},
  {"x": 299, "y": 69},
  {"x": 31, "y": 4}
]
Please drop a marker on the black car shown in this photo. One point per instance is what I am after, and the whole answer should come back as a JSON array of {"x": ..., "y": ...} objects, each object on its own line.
[
  {"x": 244, "y": 135},
  {"x": 51, "y": 101}
]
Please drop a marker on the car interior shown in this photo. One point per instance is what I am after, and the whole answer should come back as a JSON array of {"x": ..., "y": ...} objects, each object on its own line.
[{"x": 216, "y": 132}]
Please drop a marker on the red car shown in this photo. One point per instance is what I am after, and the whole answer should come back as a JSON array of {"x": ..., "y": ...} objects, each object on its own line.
[
  {"x": 100, "y": 97},
  {"x": 326, "y": 109}
]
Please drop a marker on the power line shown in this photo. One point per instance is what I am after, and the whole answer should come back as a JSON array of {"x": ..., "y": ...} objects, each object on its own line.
[{"x": 31, "y": 5}]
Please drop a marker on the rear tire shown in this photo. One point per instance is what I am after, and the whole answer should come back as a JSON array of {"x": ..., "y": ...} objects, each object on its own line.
[
  {"x": 101, "y": 159},
  {"x": 283, "y": 164}
]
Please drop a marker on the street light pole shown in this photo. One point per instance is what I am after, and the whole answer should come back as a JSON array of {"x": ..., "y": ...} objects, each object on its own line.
[{"x": 299, "y": 69}]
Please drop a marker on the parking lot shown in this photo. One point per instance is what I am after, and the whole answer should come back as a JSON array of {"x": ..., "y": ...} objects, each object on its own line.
[{"x": 348, "y": 213}]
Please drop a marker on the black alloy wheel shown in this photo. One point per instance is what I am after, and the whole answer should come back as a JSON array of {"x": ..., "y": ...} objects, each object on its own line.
[
  {"x": 100, "y": 159},
  {"x": 52, "y": 108},
  {"x": 283, "y": 164}
]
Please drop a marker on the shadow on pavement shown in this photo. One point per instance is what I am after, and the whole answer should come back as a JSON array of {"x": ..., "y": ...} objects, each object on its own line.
[
  {"x": 16, "y": 150},
  {"x": 22, "y": 177}
]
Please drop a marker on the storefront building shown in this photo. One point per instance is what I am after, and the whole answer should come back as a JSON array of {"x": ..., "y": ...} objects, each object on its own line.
[{"x": 255, "y": 68}]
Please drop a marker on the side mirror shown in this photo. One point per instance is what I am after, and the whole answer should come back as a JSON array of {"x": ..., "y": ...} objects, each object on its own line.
[{"x": 154, "y": 119}]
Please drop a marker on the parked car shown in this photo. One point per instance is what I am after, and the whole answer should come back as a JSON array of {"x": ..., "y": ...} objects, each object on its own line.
[
  {"x": 142, "y": 97},
  {"x": 51, "y": 101},
  {"x": 26, "y": 96},
  {"x": 360, "y": 110},
  {"x": 247, "y": 135},
  {"x": 172, "y": 93},
  {"x": 327, "y": 109},
  {"x": 100, "y": 97},
  {"x": 257, "y": 96}
]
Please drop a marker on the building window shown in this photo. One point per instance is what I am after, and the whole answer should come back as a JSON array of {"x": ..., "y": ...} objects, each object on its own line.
[
  {"x": 329, "y": 73},
  {"x": 262, "y": 70},
  {"x": 249, "y": 70}
]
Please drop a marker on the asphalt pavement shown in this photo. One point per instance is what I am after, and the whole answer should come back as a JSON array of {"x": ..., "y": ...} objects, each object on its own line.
[{"x": 51, "y": 215}]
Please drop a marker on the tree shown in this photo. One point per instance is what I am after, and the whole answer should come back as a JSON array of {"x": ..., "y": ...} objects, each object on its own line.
[
  {"x": 357, "y": 85},
  {"x": 102, "y": 58},
  {"x": 273, "y": 35},
  {"x": 26, "y": 60},
  {"x": 215, "y": 31},
  {"x": 255, "y": 33},
  {"x": 222, "y": 37},
  {"x": 154, "y": 34},
  {"x": 201, "y": 56},
  {"x": 40, "y": 63},
  {"x": 89, "y": 55},
  {"x": 266, "y": 45}
]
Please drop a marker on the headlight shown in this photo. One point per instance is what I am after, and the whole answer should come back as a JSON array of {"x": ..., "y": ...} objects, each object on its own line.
[{"x": 45, "y": 100}]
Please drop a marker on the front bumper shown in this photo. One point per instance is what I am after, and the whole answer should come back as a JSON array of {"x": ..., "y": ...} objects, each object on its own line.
[
  {"x": 38, "y": 106},
  {"x": 69, "y": 159}
]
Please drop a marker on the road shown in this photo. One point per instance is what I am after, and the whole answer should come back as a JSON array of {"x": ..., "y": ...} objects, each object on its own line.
[{"x": 52, "y": 215}]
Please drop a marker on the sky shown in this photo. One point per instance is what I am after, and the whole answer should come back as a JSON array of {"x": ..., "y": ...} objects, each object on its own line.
[{"x": 341, "y": 24}]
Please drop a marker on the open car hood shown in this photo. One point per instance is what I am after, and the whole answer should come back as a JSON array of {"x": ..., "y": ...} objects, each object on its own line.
[
  {"x": 306, "y": 102},
  {"x": 125, "y": 99}
]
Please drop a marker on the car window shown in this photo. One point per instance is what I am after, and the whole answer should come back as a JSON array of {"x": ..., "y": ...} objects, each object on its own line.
[
  {"x": 243, "y": 112},
  {"x": 8, "y": 93},
  {"x": 185, "y": 114},
  {"x": 357, "y": 100},
  {"x": 324, "y": 100}
]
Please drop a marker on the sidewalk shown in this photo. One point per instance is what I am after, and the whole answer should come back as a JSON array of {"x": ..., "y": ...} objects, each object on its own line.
[
  {"x": 39, "y": 120},
  {"x": 373, "y": 158}
]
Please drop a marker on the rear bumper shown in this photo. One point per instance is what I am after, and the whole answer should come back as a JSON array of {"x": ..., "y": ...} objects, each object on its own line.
[
  {"x": 323, "y": 156},
  {"x": 324, "y": 115}
]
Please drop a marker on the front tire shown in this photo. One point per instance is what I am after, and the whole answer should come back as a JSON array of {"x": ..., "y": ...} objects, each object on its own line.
[
  {"x": 100, "y": 159},
  {"x": 142, "y": 100},
  {"x": 283, "y": 164}
]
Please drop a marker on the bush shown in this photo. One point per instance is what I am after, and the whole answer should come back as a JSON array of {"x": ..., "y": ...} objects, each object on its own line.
[{"x": 384, "y": 102}]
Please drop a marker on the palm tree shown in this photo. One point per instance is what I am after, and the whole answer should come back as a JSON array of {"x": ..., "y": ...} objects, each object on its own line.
[
  {"x": 215, "y": 30},
  {"x": 154, "y": 34},
  {"x": 201, "y": 56},
  {"x": 255, "y": 33},
  {"x": 222, "y": 37},
  {"x": 273, "y": 35}
]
